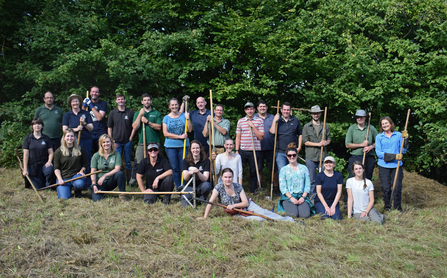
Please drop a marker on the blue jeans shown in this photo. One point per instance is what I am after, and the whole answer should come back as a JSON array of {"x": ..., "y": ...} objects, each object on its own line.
[
  {"x": 320, "y": 210},
  {"x": 281, "y": 160},
  {"x": 117, "y": 180},
  {"x": 127, "y": 148},
  {"x": 175, "y": 156},
  {"x": 64, "y": 191},
  {"x": 44, "y": 177}
]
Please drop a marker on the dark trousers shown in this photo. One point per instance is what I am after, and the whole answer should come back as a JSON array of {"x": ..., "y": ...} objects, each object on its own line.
[
  {"x": 202, "y": 191},
  {"x": 164, "y": 185},
  {"x": 386, "y": 176},
  {"x": 117, "y": 180},
  {"x": 56, "y": 143},
  {"x": 265, "y": 156},
  {"x": 247, "y": 156}
]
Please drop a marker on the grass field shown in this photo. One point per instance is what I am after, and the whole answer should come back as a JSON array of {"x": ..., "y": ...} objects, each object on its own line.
[{"x": 79, "y": 238}]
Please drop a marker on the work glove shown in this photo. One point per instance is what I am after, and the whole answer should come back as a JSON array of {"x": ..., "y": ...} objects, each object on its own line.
[
  {"x": 88, "y": 102},
  {"x": 405, "y": 134},
  {"x": 388, "y": 157}
]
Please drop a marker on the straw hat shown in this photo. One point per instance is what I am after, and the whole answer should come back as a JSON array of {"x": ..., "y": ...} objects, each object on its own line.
[
  {"x": 71, "y": 97},
  {"x": 315, "y": 109}
]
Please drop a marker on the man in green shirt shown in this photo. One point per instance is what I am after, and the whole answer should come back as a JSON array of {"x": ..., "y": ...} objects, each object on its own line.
[
  {"x": 51, "y": 115},
  {"x": 221, "y": 128},
  {"x": 151, "y": 119}
]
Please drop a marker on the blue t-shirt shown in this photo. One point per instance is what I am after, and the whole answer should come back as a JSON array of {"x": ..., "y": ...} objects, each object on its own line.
[
  {"x": 328, "y": 186},
  {"x": 99, "y": 127},
  {"x": 72, "y": 121},
  {"x": 198, "y": 123},
  {"x": 175, "y": 126}
]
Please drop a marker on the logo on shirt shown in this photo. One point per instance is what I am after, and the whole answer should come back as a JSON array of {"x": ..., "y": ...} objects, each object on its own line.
[
  {"x": 112, "y": 160},
  {"x": 159, "y": 170},
  {"x": 126, "y": 118},
  {"x": 151, "y": 116},
  {"x": 55, "y": 112},
  {"x": 200, "y": 168},
  {"x": 43, "y": 143}
]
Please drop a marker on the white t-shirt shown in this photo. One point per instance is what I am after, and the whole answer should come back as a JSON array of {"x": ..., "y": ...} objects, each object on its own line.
[{"x": 360, "y": 195}]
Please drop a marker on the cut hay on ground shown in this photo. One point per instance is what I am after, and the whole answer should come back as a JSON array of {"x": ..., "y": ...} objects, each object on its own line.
[{"x": 79, "y": 238}]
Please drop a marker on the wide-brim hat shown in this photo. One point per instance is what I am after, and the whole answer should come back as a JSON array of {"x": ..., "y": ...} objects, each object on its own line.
[
  {"x": 315, "y": 109},
  {"x": 360, "y": 113},
  {"x": 249, "y": 104},
  {"x": 71, "y": 97}
]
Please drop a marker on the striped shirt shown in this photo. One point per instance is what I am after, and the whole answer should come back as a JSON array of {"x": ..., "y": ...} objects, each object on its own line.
[{"x": 244, "y": 129}]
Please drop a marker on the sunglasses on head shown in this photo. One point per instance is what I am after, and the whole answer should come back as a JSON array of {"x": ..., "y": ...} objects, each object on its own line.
[
  {"x": 153, "y": 150},
  {"x": 291, "y": 155}
]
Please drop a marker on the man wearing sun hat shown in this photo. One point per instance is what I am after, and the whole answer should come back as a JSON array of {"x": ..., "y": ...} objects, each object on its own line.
[
  {"x": 244, "y": 136},
  {"x": 313, "y": 141}
]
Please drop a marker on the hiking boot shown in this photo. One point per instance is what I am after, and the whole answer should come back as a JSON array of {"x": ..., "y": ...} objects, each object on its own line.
[
  {"x": 78, "y": 193},
  {"x": 123, "y": 198}
]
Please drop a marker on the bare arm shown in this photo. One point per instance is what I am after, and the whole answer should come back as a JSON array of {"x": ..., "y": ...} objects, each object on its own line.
[
  {"x": 238, "y": 142},
  {"x": 350, "y": 201},
  {"x": 98, "y": 114},
  {"x": 172, "y": 135},
  {"x": 25, "y": 161}
]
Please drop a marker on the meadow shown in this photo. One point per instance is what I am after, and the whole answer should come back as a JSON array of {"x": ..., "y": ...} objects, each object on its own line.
[{"x": 110, "y": 238}]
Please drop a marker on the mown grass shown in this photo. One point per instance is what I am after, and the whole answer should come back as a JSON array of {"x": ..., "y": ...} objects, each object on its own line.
[{"x": 79, "y": 238}]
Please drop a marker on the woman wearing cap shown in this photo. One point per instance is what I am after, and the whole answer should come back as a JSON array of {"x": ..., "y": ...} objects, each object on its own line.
[
  {"x": 79, "y": 121},
  {"x": 328, "y": 185},
  {"x": 233, "y": 195},
  {"x": 294, "y": 183},
  {"x": 361, "y": 196},
  {"x": 173, "y": 130},
  {"x": 109, "y": 162},
  {"x": 231, "y": 160},
  {"x": 158, "y": 174},
  {"x": 388, "y": 144},
  {"x": 38, "y": 156},
  {"x": 70, "y": 162},
  {"x": 196, "y": 163}
]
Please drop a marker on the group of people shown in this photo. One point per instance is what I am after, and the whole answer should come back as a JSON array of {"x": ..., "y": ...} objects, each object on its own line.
[{"x": 48, "y": 158}]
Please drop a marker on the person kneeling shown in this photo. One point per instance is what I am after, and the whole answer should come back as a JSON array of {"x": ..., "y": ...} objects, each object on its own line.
[
  {"x": 109, "y": 161},
  {"x": 328, "y": 184},
  {"x": 361, "y": 196},
  {"x": 158, "y": 173}
]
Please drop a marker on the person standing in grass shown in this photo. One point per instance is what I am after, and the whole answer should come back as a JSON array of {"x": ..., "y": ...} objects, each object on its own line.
[
  {"x": 70, "y": 161},
  {"x": 109, "y": 162},
  {"x": 388, "y": 144},
  {"x": 228, "y": 159},
  {"x": 294, "y": 183},
  {"x": 328, "y": 184},
  {"x": 51, "y": 116},
  {"x": 361, "y": 196},
  {"x": 233, "y": 195},
  {"x": 158, "y": 174}
]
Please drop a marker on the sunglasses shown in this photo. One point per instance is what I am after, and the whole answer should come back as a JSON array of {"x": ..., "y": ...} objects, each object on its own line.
[
  {"x": 106, "y": 165},
  {"x": 153, "y": 150},
  {"x": 291, "y": 155}
]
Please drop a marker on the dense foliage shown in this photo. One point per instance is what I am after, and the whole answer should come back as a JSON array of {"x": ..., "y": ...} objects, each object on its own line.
[{"x": 383, "y": 56}]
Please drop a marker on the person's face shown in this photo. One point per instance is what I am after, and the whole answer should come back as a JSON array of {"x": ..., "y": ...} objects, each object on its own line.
[
  {"x": 360, "y": 120},
  {"x": 69, "y": 138},
  {"x": 329, "y": 165},
  {"x": 94, "y": 93},
  {"x": 195, "y": 149},
  {"x": 219, "y": 111},
  {"x": 200, "y": 103},
  {"x": 358, "y": 170},
  {"x": 75, "y": 103},
  {"x": 386, "y": 126},
  {"x": 229, "y": 145},
  {"x": 291, "y": 156},
  {"x": 227, "y": 178},
  {"x": 262, "y": 108},
  {"x": 153, "y": 152},
  {"x": 285, "y": 110},
  {"x": 120, "y": 101},
  {"x": 37, "y": 127},
  {"x": 48, "y": 98},
  {"x": 250, "y": 111},
  {"x": 147, "y": 102},
  {"x": 173, "y": 106},
  {"x": 316, "y": 116},
  {"x": 106, "y": 144}
]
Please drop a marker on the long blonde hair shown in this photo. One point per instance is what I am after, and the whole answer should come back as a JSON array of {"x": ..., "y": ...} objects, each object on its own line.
[
  {"x": 101, "y": 140},
  {"x": 76, "y": 148}
]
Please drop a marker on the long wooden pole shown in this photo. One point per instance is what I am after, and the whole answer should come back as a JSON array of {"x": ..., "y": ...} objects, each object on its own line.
[
  {"x": 324, "y": 131},
  {"x": 235, "y": 209},
  {"x": 212, "y": 132},
  {"x": 73, "y": 179},
  {"x": 213, "y": 181},
  {"x": 79, "y": 132},
  {"x": 274, "y": 153},
  {"x": 398, "y": 161},
  {"x": 254, "y": 156},
  {"x": 32, "y": 184},
  {"x": 184, "y": 141},
  {"x": 367, "y": 134}
]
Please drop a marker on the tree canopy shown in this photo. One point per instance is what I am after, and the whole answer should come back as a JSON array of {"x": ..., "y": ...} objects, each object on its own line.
[{"x": 382, "y": 56}]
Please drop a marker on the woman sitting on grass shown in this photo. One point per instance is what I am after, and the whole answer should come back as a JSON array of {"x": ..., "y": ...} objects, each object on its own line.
[
  {"x": 109, "y": 161},
  {"x": 233, "y": 195},
  {"x": 328, "y": 184},
  {"x": 361, "y": 196},
  {"x": 70, "y": 162},
  {"x": 294, "y": 183},
  {"x": 228, "y": 159}
]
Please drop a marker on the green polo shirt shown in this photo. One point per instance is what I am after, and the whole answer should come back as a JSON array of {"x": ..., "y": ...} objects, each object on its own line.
[
  {"x": 356, "y": 135},
  {"x": 98, "y": 162},
  {"x": 309, "y": 134},
  {"x": 219, "y": 139},
  {"x": 52, "y": 120},
  {"x": 152, "y": 136}
]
